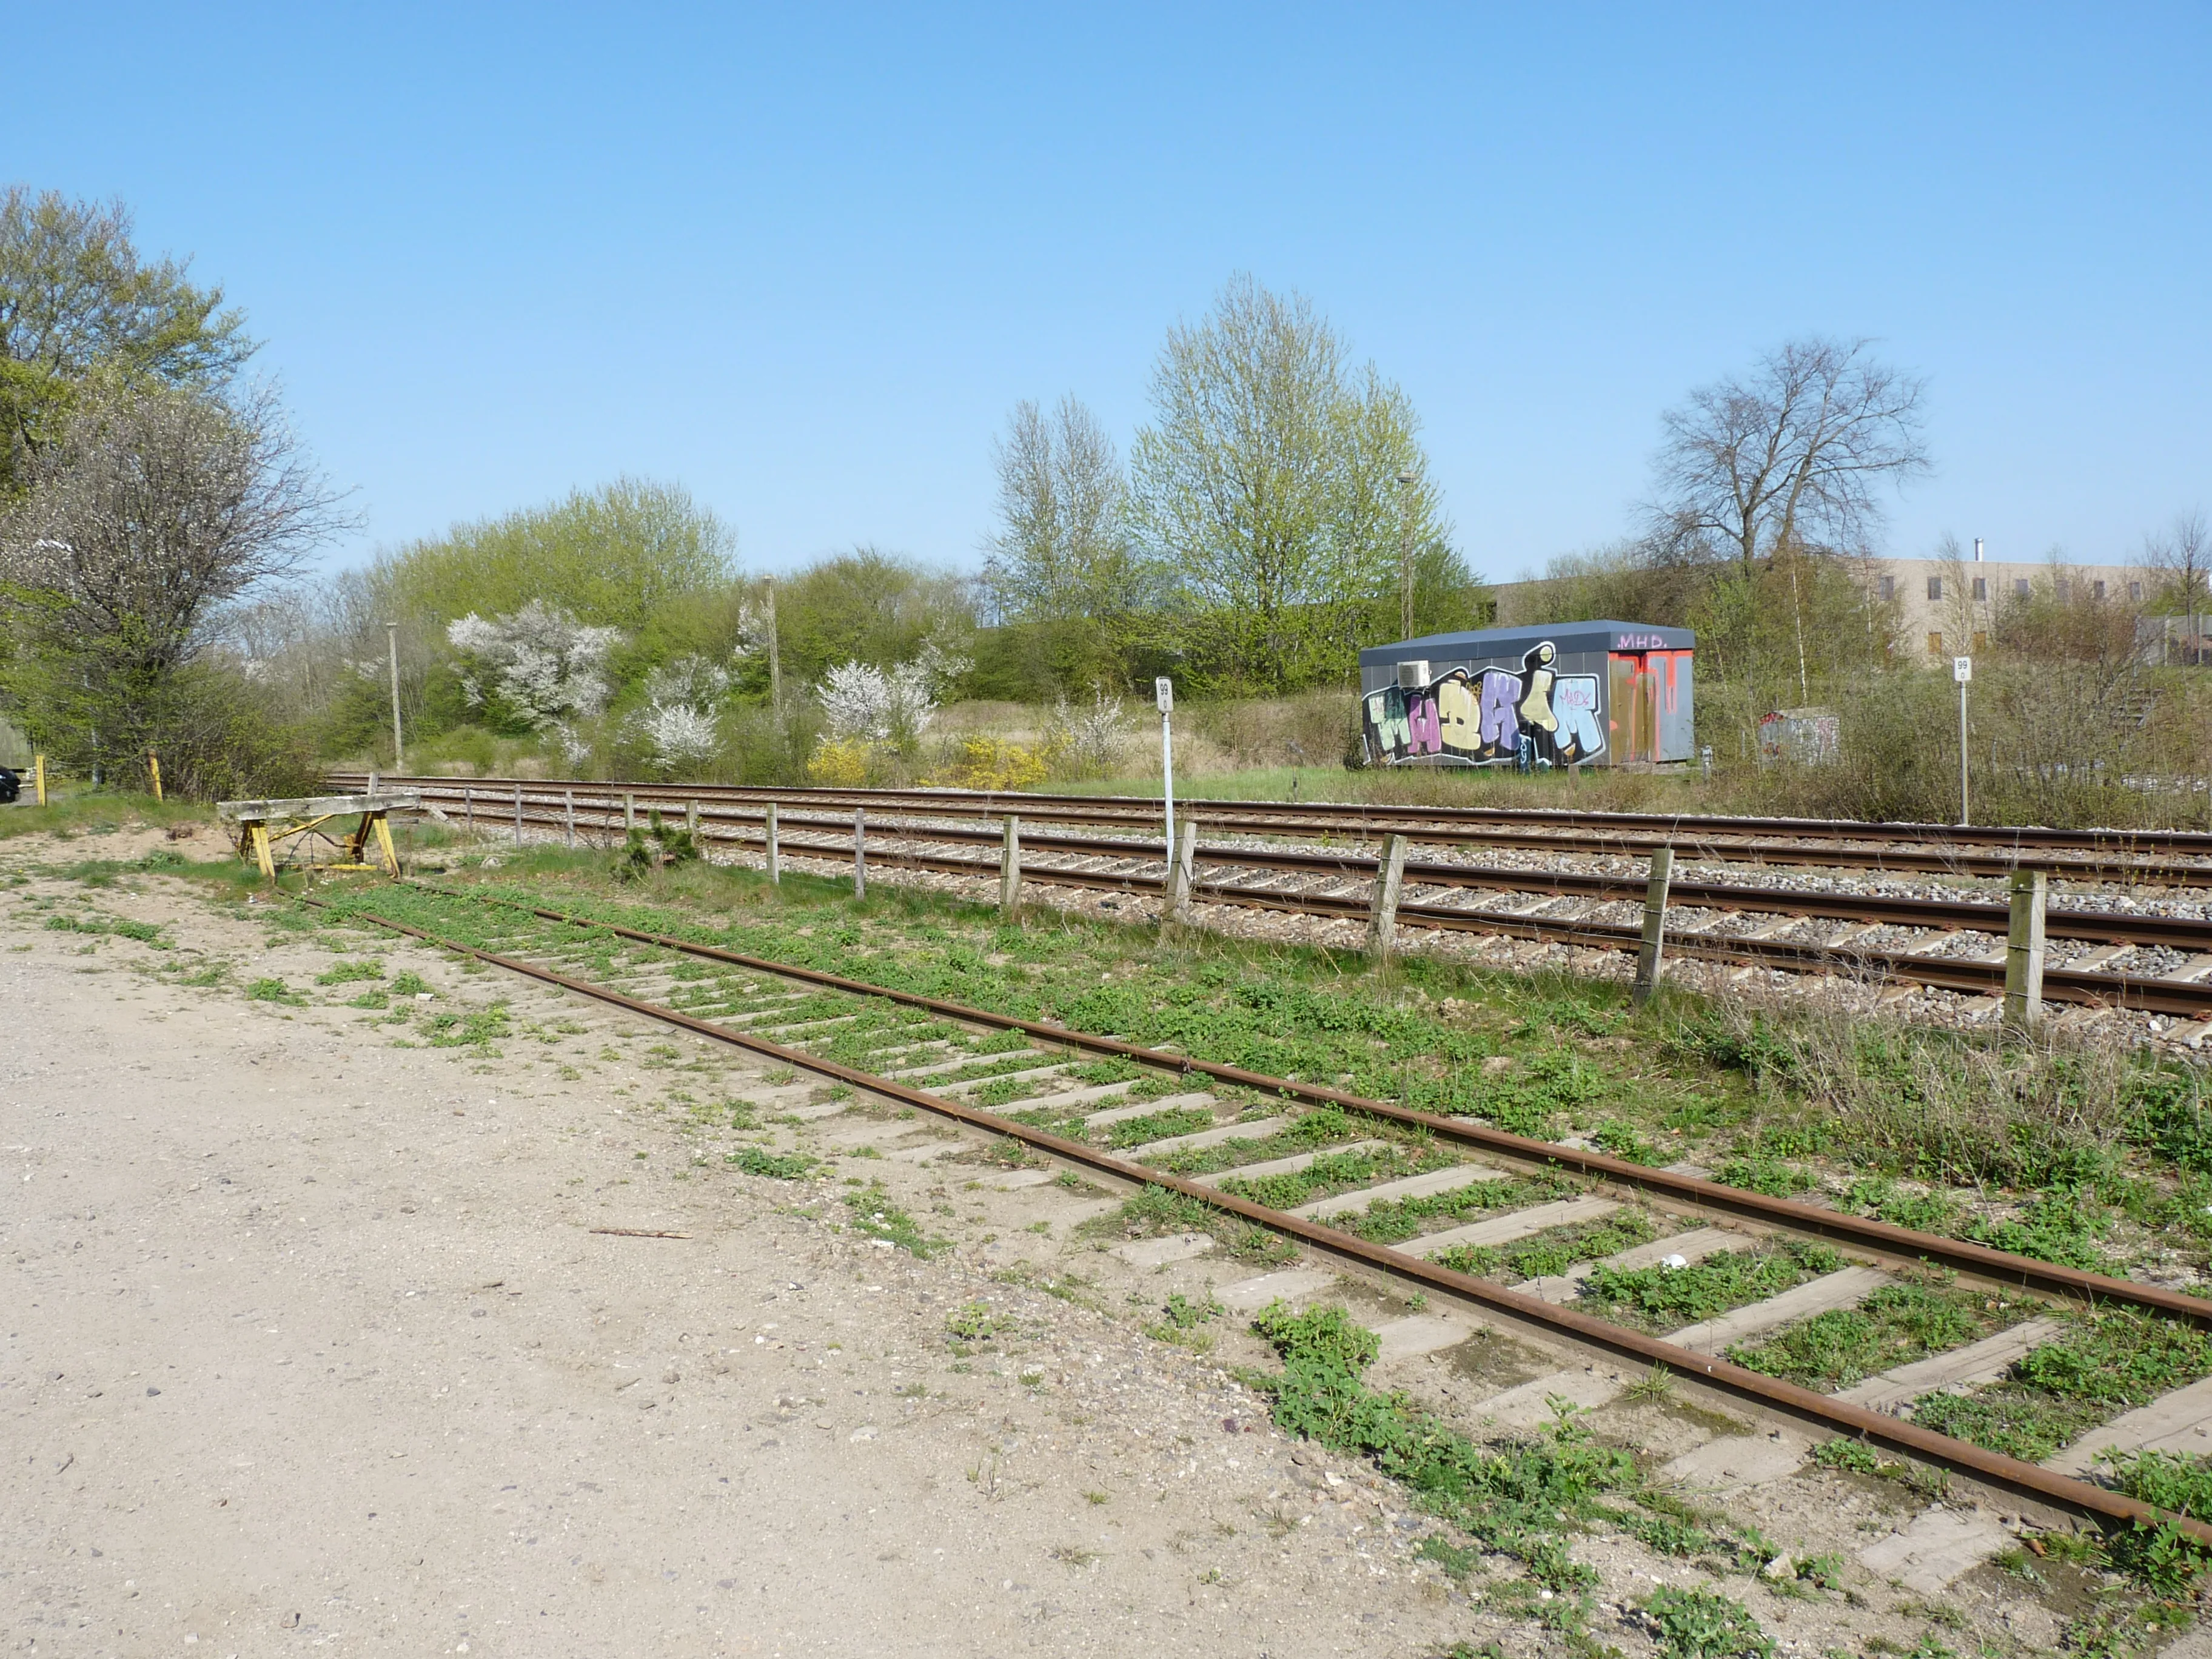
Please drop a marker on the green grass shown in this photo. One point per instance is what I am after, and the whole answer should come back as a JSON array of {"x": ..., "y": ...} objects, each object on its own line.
[
  {"x": 1159, "y": 1126},
  {"x": 346, "y": 973},
  {"x": 874, "y": 1215},
  {"x": 1697, "y": 1623},
  {"x": 1330, "y": 1173},
  {"x": 1666, "y": 1298},
  {"x": 1156, "y": 1211},
  {"x": 1896, "y": 1325},
  {"x": 2105, "y": 1364},
  {"x": 74, "y": 809},
  {"x": 1553, "y": 1251},
  {"x": 777, "y": 1166}
]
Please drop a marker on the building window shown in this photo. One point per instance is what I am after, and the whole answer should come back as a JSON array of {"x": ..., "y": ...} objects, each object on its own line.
[
  {"x": 1887, "y": 587},
  {"x": 1935, "y": 644},
  {"x": 1935, "y": 587},
  {"x": 2064, "y": 589},
  {"x": 2019, "y": 588},
  {"x": 1981, "y": 643},
  {"x": 1981, "y": 588},
  {"x": 2096, "y": 590},
  {"x": 2135, "y": 592}
]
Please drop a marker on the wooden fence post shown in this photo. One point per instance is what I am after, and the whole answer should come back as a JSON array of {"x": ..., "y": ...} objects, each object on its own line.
[
  {"x": 691, "y": 819},
  {"x": 2023, "y": 997},
  {"x": 1009, "y": 868},
  {"x": 569, "y": 816},
  {"x": 372, "y": 782},
  {"x": 154, "y": 765},
  {"x": 860, "y": 853},
  {"x": 1649, "y": 954},
  {"x": 469, "y": 809},
  {"x": 1181, "y": 870},
  {"x": 39, "y": 777},
  {"x": 1382, "y": 911},
  {"x": 518, "y": 815},
  {"x": 629, "y": 812},
  {"x": 774, "y": 848}
]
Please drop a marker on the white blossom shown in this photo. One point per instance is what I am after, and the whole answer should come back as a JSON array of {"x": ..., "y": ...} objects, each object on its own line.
[
  {"x": 545, "y": 664},
  {"x": 864, "y": 701}
]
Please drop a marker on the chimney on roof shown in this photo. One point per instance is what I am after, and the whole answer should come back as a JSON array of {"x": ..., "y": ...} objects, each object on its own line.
[{"x": 1977, "y": 549}]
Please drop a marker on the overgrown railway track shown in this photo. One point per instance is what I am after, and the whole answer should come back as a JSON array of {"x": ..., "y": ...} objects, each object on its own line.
[
  {"x": 1955, "y": 945},
  {"x": 1384, "y": 1175},
  {"x": 2145, "y": 858}
]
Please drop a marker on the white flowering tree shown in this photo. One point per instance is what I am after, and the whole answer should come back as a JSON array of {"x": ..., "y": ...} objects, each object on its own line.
[
  {"x": 679, "y": 722},
  {"x": 543, "y": 666}
]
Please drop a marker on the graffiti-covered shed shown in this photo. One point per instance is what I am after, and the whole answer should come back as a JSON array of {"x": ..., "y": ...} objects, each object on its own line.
[{"x": 1603, "y": 693}]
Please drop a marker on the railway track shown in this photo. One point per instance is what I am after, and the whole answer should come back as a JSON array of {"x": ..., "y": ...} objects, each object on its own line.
[
  {"x": 2142, "y": 858},
  {"x": 1953, "y": 944},
  {"x": 1461, "y": 1212}
]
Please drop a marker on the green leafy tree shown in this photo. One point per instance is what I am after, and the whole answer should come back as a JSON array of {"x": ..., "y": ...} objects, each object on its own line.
[
  {"x": 78, "y": 303},
  {"x": 1280, "y": 488}
]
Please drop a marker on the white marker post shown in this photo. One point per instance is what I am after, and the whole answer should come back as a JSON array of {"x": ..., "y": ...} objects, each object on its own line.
[
  {"x": 1163, "y": 693},
  {"x": 1962, "y": 670}
]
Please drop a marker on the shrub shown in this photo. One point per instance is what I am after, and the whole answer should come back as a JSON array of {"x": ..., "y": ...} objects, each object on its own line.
[
  {"x": 982, "y": 762},
  {"x": 841, "y": 762}
]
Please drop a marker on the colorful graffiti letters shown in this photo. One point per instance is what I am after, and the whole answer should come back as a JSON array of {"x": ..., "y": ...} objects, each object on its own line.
[{"x": 1495, "y": 717}]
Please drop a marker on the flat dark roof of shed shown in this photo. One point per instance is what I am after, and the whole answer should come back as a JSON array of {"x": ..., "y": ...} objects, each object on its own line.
[{"x": 1599, "y": 636}]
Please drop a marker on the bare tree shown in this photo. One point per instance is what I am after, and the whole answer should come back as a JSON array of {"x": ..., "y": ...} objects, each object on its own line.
[
  {"x": 1058, "y": 554},
  {"x": 1794, "y": 457},
  {"x": 148, "y": 511},
  {"x": 2183, "y": 558}
]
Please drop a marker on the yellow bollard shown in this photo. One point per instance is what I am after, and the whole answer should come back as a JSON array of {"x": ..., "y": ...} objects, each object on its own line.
[
  {"x": 38, "y": 776},
  {"x": 154, "y": 765}
]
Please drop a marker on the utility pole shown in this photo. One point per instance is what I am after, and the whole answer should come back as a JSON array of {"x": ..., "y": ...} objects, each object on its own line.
[
  {"x": 1163, "y": 693},
  {"x": 774, "y": 655},
  {"x": 1407, "y": 480},
  {"x": 1962, "y": 670},
  {"x": 392, "y": 640}
]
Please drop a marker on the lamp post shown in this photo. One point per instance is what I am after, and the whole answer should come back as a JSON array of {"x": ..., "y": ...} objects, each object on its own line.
[
  {"x": 1407, "y": 480},
  {"x": 392, "y": 641}
]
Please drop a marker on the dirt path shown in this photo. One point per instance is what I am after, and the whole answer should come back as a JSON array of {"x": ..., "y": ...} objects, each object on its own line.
[{"x": 308, "y": 1344}]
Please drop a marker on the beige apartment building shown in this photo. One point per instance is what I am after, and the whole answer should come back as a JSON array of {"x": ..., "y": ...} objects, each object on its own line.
[{"x": 1945, "y": 606}]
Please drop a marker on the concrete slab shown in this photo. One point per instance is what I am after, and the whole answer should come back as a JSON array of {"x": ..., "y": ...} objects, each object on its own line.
[
  {"x": 1418, "y": 1334},
  {"x": 1291, "y": 1285},
  {"x": 1257, "y": 1129},
  {"x": 1068, "y": 1098},
  {"x": 1939, "y": 1547},
  {"x": 1978, "y": 1362},
  {"x": 1145, "y": 1108},
  {"x": 1841, "y": 1289},
  {"x": 1275, "y": 1166},
  {"x": 920, "y": 1076},
  {"x": 2177, "y": 1422},
  {"x": 1694, "y": 1246},
  {"x": 1735, "y": 1461},
  {"x": 1518, "y": 1224},
  {"x": 1159, "y": 1252},
  {"x": 1420, "y": 1185},
  {"x": 816, "y": 1112},
  {"x": 1527, "y": 1406},
  {"x": 1013, "y": 1180}
]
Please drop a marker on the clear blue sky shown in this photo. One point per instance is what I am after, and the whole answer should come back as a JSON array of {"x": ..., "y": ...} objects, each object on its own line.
[{"x": 803, "y": 259}]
